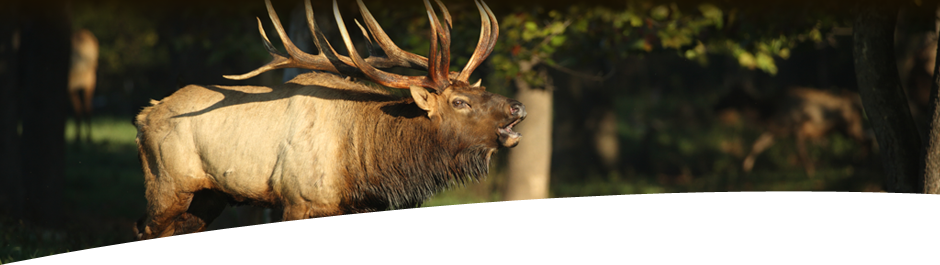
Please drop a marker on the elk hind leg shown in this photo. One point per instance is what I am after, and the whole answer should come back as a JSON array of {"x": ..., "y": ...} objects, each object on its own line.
[
  {"x": 86, "y": 112},
  {"x": 75, "y": 97},
  {"x": 804, "y": 157},
  {"x": 762, "y": 143}
]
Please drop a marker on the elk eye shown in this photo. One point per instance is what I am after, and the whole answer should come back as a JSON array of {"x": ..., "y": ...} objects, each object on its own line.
[{"x": 459, "y": 103}]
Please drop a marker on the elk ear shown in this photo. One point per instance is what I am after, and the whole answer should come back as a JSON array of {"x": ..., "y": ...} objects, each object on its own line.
[{"x": 424, "y": 100}]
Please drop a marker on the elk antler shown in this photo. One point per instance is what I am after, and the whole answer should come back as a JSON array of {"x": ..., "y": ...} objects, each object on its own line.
[
  {"x": 327, "y": 59},
  {"x": 488, "y": 34}
]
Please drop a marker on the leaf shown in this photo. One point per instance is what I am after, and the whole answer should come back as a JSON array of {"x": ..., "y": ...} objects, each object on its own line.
[
  {"x": 766, "y": 62},
  {"x": 747, "y": 60},
  {"x": 659, "y": 12},
  {"x": 712, "y": 13},
  {"x": 558, "y": 40}
]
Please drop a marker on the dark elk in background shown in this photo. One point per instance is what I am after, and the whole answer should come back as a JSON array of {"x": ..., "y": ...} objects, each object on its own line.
[
  {"x": 82, "y": 71},
  {"x": 323, "y": 144},
  {"x": 801, "y": 112}
]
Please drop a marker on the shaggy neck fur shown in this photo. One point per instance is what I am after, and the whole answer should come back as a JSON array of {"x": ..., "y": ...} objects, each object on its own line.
[{"x": 398, "y": 158}]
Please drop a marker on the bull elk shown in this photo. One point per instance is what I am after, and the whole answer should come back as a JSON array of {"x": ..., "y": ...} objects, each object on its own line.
[
  {"x": 84, "y": 64},
  {"x": 804, "y": 113},
  {"x": 322, "y": 144}
]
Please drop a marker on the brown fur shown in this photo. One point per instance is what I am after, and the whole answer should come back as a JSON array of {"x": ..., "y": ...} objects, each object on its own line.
[{"x": 317, "y": 146}]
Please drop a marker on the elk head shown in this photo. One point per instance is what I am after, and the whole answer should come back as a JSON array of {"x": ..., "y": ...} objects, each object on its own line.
[{"x": 451, "y": 102}]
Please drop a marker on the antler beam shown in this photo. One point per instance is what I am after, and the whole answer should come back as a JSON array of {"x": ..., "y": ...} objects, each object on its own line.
[{"x": 438, "y": 77}]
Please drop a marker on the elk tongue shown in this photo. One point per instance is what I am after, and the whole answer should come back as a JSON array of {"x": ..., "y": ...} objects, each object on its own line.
[{"x": 508, "y": 137}]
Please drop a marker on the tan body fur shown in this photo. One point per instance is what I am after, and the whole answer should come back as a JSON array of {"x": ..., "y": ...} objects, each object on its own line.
[{"x": 321, "y": 144}]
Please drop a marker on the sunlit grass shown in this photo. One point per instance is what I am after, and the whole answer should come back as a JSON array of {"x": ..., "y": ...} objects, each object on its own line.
[{"x": 105, "y": 129}]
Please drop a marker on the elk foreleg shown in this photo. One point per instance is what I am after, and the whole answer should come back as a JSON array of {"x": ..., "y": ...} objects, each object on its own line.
[
  {"x": 370, "y": 229},
  {"x": 762, "y": 143},
  {"x": 293, "y": 233},
  {"x": 86, "y": 113},
  {"x": 170, "y": 232},
  {"x": 164, "y": 212},
  {"x": 76, "y": 98},
  {"x": 206, "y": 205}
]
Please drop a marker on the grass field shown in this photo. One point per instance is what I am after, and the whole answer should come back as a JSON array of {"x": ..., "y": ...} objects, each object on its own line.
[{"x": 105, "y": 197}]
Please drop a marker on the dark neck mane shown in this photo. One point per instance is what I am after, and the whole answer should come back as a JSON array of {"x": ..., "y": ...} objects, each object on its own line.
[{"x": 400, "y": 159}]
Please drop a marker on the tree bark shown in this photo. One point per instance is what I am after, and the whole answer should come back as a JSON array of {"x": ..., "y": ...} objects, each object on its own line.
[
  {"x": 530, "y": 161},
  {"x": 882, "y": 97},
  {"x": 46, "y": 50},
  {"x": 932, "y": 149}
]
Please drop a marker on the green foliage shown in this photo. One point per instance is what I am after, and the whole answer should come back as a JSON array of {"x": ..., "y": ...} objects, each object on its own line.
[
  {"x": 582, "y": 34},
  {"x": 524, "y": 39},
  {"x": 126, "y": 39}
]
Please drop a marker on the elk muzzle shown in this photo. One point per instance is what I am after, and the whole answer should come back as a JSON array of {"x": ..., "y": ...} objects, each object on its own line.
[{"x": 508, "y": 137}]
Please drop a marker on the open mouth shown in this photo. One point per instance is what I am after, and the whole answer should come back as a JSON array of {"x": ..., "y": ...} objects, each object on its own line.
[{"x": 508, "y": 137}]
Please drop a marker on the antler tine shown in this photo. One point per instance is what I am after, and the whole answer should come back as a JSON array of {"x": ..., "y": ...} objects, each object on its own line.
[
  {"x": 495, "y": 36},
  {"x": 444, "y": 35},
  {"x": 277, "y": 62},
  {"x": 366, "y": 35},
  {"x": 323, "y": 46},
  {"x": 489, "y": 31},
  {"x": 439, "y": 56},
  {"x": 380, "y": 77},
  {"x": 295, "y": 57},
  {"x": 395, "y": 54},
  {"x": 450, "y": 22}
]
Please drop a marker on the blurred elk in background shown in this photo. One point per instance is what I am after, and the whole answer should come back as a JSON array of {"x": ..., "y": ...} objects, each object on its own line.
[
  {"x": 83, "y": 68},
  {"x": 801, "y": 112}
]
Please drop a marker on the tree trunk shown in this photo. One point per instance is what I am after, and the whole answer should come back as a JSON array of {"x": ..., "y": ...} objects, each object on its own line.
[
  {"x": 530, "y": 161},
  {"x": 11, "y": 186},
  {"x": 882, "y": 97},
  {"x": 44, "y": 62},
  {"x": 932, "y": 149}
]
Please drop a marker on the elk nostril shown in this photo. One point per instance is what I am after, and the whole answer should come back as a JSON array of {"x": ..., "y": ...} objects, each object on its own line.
[{"x": 517, "y": 109}]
